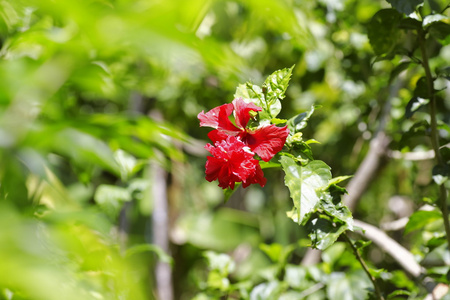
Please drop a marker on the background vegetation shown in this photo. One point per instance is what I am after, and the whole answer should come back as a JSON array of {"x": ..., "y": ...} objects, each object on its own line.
[{"x": 102, "y": 189}]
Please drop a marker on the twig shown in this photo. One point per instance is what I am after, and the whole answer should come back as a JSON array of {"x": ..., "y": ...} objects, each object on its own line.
[
  {"x": 394, "y": 249},
  {"x": 412, "y": 156},
  {"x": 402, "y": 256},
  {"x": 364, "y": 266},
  {"x": 366, "y": 171},
  {"x": 395, "y": 225}
]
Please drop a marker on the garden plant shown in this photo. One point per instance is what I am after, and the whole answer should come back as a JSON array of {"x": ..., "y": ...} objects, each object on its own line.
[{"x": 213, "y": 149}]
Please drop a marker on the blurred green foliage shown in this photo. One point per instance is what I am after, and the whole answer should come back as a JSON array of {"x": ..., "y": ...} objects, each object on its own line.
[{"x": 93, "y": 92}]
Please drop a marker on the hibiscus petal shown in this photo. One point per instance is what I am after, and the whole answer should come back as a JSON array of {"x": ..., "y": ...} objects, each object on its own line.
[
  {"x": 241, "y": 111},
  {"x": 256, "y": 177},
  {"x": 213, "y": 166},
  {"x": 266, "y": 141},
  {"x": 232, "y": 162},
  {"x": 217, "y": 136},
  {"x": 218, "y": 118},
  {"x": 226, "y": 177}
]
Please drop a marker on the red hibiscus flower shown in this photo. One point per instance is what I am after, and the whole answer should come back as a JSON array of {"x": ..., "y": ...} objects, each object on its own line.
[
  {"x": 232, "y": 162},
  {"x": 266, "y": 141}
]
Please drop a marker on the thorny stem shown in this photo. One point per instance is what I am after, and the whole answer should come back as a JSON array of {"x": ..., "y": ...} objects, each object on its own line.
[
  {"x": 364, "y": 266},
  {"x": 434, "y": 131}
]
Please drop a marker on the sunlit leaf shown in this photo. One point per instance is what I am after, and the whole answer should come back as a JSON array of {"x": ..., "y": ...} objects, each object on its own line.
[
  {"x": 220, "y": 262},
  {"x": 300, "y": 121},
  {"x": 303, "y": 183},
  {"x": 349, "y": 285},
  {"x": 438, "y": 26},
  {"x": 266, "y": 291},
  {"x": 413, "y": 105},
  {"x": 323, "y": 232},
  {"x": 336, "y": 180},
  {"x": 250, "y": 93},
  {"x": 430, "y": 19},
  {"x": 111, "y": 198},
  {"x": 277, "y": 252},
  {"x": 420, "y": 218},
  {"x": 338, "y": 211},
  {"x": 441, "y": 173},
  {"x": 276, "y": 85}
]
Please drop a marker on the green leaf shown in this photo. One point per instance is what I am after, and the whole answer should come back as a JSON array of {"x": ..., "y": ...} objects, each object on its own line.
[
  {"x": 438, "y": 6},
  {"x": 401, "y": 280},
  {"x": 106, "y": 192},
  {"x": 269, "y": 164},
  {"x": 302, "y": 150},
  {"x": 339, "y": 179},
  {"x": 395, "y": 294},
  {"x": 277, "y": 121},
  {"x": 421, "y": 218},
  {"x": 383, "y": 30},
  {"x": 268, "y": 97},
  {"x": 217, "y": 281},
  {"x": 413, "y": 105},
  {"x": 277, "y": 252},
  {"x": 323, "y": 232},
  {"x": 276, "y": 84},
  {"x": 267, "y": 290},
  {"x": 441, "y": 174},
  {"x": 338, "y": 211},
  {"x": 440, "y": 31},
  {"x": 251, "y": 93},
  {"x": 443, "y": 72},
  {"x": 274, "y": 108},
  {"x": 421, "y": 89},
  {"x": 220, "y": 262},
  {"x": 398, "y": 69},
  {"x": 296, "y": 277},
  {"x": 438, "y": 26},
  {"x": 361, "y": 244},
  {"x": 110, "y": 198},
  {"x": 137, "y": 249},
  {"x": 410, "y": 23},
  {"x": 353, "y": 285},
  {"x": 333, "y": 253},
  {"x": 228, "y": 192},
  {"x": 128, "y": 164},
  {"x": 420, "y": 128},
  {"x": 303, "y": 183},
  {"x": 431, "y": 19},
  {"x": 85, "y": 149},
  {"x": 405, "y": 6},
  {"x": 300, "y": 121},
  {"x": 312, "y": 141}
]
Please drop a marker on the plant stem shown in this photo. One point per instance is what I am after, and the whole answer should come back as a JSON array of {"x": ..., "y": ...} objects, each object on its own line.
[
  {"x": 364, "y": 266},
  {"x": 434, "y": 131}
]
